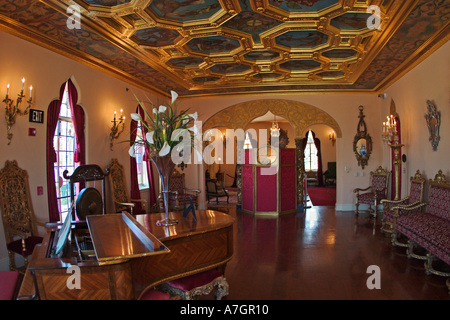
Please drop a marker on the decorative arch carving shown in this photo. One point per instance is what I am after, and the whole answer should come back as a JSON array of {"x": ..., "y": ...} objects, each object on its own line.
[{"x": 299, "y": 115}]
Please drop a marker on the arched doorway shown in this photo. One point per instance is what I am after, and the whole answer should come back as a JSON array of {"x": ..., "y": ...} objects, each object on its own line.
[{"x": 300, "y": 116}]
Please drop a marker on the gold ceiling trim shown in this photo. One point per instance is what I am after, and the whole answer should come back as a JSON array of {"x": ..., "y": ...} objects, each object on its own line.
[
  {"x": 415, "y": 59},
  {"x": 156, "y": 57},
  {"x": 14, "y": 28},
  {"x": 115, "y": 25}
]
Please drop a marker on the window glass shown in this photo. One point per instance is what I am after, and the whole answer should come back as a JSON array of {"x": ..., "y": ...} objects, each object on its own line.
[
  {"x": 310, "y": 154},
  {"x": 64, "y": 145},
  {"x": 141, "y": 165}
]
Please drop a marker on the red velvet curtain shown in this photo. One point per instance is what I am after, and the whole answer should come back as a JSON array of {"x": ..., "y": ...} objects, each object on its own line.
[
  {"x": 397, "y": 121},
  {"x": 52, "y": 120},
  {"x": 78, "y": 123},
  {"x": 319, "y": 160}
]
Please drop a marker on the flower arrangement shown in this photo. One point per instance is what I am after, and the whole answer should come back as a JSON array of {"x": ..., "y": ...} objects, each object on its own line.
[{"x": 164, "y": 126}]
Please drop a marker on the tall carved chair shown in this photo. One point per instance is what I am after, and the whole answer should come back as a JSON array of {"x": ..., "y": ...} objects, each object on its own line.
[
  {"x": 17, "y": 213},
  {"x": 376, "y": 192},
  {"x": 415, "y": 197},
  {"x": 179, "y": 196},
  {"x": 119, "y": 191}
]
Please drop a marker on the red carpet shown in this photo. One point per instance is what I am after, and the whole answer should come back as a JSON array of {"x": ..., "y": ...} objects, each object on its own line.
[{"x": 322, "y": 196}]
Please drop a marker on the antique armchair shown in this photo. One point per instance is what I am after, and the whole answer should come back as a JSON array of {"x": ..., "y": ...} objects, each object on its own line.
[
  {"x": 415, "y": 197},
  {"x": 213, "y": 191},
  {"x": 119, "y": 192},
  {"x": 179, "y": 196},
  {"x": 376, "y": 192},
  {"x": 330, "y": 175},
  {"x": 17, "y": 213}
]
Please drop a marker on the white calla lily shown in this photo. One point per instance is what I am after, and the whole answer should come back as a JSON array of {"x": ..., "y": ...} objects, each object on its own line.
[
  {"x": 155, "y": 111},
  {"x": 164, "y": 150},
  {"x": 174, "y": 96},
  {"x": 136, "y": 117},
  {"x": 162, "y": 109},
  {"x": 194, "y": 115},
  {"x": 131, "y": 152},
  {"x": 149, "y": 137}
]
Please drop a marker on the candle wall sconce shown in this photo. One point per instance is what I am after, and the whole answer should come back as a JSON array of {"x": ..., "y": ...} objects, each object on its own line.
[
  {"x": 434, "y": 122},
  {"x": 362, "y": 143},
  {"x": 332, "y": 137},
  {"x": 13, "y": 109},
  {"x": 117, "y": 128}
]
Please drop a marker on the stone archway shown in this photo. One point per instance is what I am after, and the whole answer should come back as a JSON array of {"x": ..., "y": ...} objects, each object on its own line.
[{"x": 299, "y": 115}]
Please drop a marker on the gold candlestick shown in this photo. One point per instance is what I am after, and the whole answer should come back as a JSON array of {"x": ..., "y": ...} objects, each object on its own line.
[
  {"x": 115, "y": 133},
  {"x": 13, "y": 109}
]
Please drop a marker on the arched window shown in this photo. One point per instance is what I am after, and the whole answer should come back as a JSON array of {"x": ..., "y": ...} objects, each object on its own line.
[
  {"x": 311, "y": 163},
  {"x": 65, "y": 147},
  {"x": 141, "y": 161}
]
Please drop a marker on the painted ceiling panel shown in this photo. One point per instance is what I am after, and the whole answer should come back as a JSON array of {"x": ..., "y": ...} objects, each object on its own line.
[{"x": 207, "y": 47}]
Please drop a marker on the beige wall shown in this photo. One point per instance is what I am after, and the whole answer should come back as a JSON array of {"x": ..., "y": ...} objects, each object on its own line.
[
  {"x": 430, "y": 80},
  {"x": 101, "y": 94}
]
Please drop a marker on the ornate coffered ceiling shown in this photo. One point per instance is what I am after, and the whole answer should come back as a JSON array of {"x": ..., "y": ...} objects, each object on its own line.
[{"x": 200, "y": 47}]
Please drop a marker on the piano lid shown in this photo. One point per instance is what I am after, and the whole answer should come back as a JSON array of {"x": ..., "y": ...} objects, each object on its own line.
[{"x": 119, "y": 237}]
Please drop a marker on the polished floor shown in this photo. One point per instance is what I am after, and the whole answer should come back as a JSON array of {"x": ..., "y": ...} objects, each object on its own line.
[{"x": 322, "y": 254}]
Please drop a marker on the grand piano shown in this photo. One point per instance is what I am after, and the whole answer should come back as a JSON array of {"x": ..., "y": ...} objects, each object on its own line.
[{"x": 119, "y": 256}]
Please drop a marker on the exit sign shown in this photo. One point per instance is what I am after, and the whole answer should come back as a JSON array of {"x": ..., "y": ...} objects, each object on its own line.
[{"x": 36, "y": 116}]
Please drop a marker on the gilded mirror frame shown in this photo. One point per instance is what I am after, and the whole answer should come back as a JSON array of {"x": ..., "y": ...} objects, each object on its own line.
[
  {"x": 362, "y": 143},
  {"x": 433, "y": 118}
]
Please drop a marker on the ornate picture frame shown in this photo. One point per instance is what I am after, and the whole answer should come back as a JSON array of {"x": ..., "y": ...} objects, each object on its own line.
[
  {"x": 433, "y": 118},
  {"x": 362, "y": 143}
]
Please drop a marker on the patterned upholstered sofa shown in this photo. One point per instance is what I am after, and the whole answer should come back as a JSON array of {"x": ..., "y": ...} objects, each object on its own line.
[
  {"x": 430, "y": 228},
  {"x": 415, "y": 197}
]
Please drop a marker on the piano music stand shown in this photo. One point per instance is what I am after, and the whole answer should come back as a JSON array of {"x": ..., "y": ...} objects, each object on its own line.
[{"x": 85, "y": 173}]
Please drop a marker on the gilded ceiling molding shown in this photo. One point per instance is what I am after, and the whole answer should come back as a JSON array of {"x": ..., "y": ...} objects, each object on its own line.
[{"x": 299, "y": 115}]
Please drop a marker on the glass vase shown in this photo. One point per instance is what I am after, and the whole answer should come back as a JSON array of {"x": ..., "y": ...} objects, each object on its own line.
[{"x": 165, "y": 166}]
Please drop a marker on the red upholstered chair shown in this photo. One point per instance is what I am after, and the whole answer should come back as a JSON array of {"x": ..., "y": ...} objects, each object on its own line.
[
  {"x": 152, "y": 294},
  {"x": 9, "y": 285},
  {"x": 377, "y": 191},
  {"x": 179, "y": 196},
  {"x": 190, "y": 287},
  {"x": 415, "y": 197},
  {"x": 17, "y": 213}
]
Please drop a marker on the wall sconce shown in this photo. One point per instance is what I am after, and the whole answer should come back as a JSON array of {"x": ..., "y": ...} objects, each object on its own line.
[
  {"x": 12, "y": 110},
  {"x": 332, "y": 137},
  {"x": 115, "y": 133}
]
